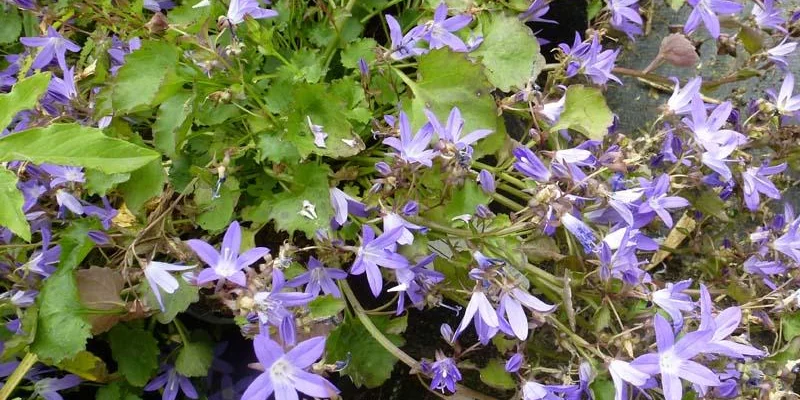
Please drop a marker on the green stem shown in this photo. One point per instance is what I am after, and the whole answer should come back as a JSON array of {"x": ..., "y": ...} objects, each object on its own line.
[
  {"x": 24, "y": 366},
  {"x": 513, "y": 205}
]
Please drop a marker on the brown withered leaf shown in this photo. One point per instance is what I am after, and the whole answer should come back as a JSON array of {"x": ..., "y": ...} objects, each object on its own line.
[{"x": 99, "y": 289}]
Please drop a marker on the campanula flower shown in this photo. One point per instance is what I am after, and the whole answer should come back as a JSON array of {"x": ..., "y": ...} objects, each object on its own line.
[
  {"x": 53, "y": 46},
  {"x": 479, "y": 309},
  {"x": 486, "y": 180},
  {"x": 445, "y": 373},
  {"x": 722, "y": 326},
  {"x": 536, "y": 11},
  {"x": 119, "y": 50},
  {"x": 672, "y": 300},
  {"x": 767, "y": 16},
  {"x": 452, "y": 131},
  {"x": 708, "y": 129},
  {"x": 658, "y": 201},
  {"x": 438, "y": 32},
  {"x": 511, "y": 315},
  {"x": 284, "y": 373},
  {"x": 784, "y": 102},
  {"x": 271, "y": 306},
  {"x": 404, "y": 46},
  {"x": 581, "y": 231},
  {"x": 756, "y": 181},
  {"x": 681, "y": 100},
  {"x": 60, "y": 175},
  {"x": 623, "y": 372},
  {"x": 48, "y": 388},
  {"x": 706, "y": 11},
  {"x": 514, "y": 363},
  {"x": 625, "y": 16},
  {"x": 415, "y": 283},
  {"x": 173, "y": 383},
  {"x": 226, "y": 264},
  {"x": 67, "y": 201},
  {"x": 63, "y": 90},
  {"x": 238, "y": 9},
  {"x": 530, "y": 165},
  {"x": 766, "y": 269},
  {"x": 778, "y": 53},
  {"x": 156, "y": 6},
  {"x": 159, "y": 278},
  {"x": 319, "y": 278},
  {"x": 344, "y": 204},
  {"x": 393, "y": 220},
  {"x": 591, "y": 60},
  {"x": 375, "y": 252},
  {"x": 412, "y": 149}
]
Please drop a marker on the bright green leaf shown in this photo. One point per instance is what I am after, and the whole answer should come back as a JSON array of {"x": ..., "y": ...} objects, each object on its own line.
[
  {"x": 370, "y": 364},
  {"x": 194, "y": 358},
  {"x": 10, "y": 25},
  {"x": 144, "y": 72},
  {"x": 311, "y": 186},
  {"x": 463, "y": 201},
  {"x": 603, "y": 389},
  {"x": 116, "y": 390},
  {"x": 100, "y": 183},
  {"x": 217, "y": 212},
  {"x": 172, "y": 122},
  {"x": 11, "y": 201},
  {"x": 709, "y": 203},
  {"x": 790, "y": 325},
  {"x": 144, "y": 184},
  {"x": 135, "y": 351},
  {"x": 61, "y": 331},
  {"x": 585, "y": 111},
  {"x": 277, "y": 150},
  {"x": 361, "y": 48},
  {"x": 23, "y": 96},
  {"x": 325, "y": 307},
  {"x": 509, "y": 51},
  {"x": 73, "y": 144},
  {"x": 174, "y": 303},
  {"x": 494, "y": 374}
]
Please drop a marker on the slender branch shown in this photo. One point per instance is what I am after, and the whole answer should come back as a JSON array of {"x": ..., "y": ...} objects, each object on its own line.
[{"x": 16, "y": 377}]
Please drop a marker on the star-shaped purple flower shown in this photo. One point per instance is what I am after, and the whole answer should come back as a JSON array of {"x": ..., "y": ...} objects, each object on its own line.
[
  {"x": 226, "y": 264},
  {"x": 53, "y": 46}
]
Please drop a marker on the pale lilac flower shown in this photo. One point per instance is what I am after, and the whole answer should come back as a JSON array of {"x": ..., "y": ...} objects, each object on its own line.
[
  {"x": 159, "y": 278},
  {"x": 765, "y": 269},
  {"x": 285, "y": 372},
  {"x": 63, "y": 89},
  {"x": 452, "y": 131},
  {"x": 238, "y": 9},
  {"x": 768, "y": 17},
  {"x": 119, "y": 50},
  {"x": 60, "y": 175},
  {"x": 344, "y": 204},
  {"x": 536, "y": 391},
  {"x": 597, "y": 63},
  {"x": 581, "y": 231},
  {"x": 511, "y": 315},
  {"x": 708, "y": 129},
  {"x": 67, "y": 201},
  {"x": 625, "y": 16},
  {"x": 375, "y": 252},
  {"x": 723, "y": 325},
  {"x": 536, "y": 11},
  {"x": 756, "y": 180},
  {"x": 514, "y": 363},
  {"x": 552, "y": 111},
  {"x": 673, "y": 359},
  {"x": 21, "y": 298},
  {"x": 658, "y": 201},
  {"x": 623, "y": 200},
  {"x": 622, "y": 372},
  {"x": 778, "y": 53},
  {"x": 785, "y": 103},
  {"x": 486, "y": 180},
  {"x": 53, "y": 46},
  {"x": 706, "y": 11},
  {"x": 48, "y": 388},
  {"x": 415, "y": 283},
  {"x": 412, "y": 149},
  {"x": 393, "y": 221},
  {"x": 681, "y": 100},
  {"x": 226, "y": 264},
  {"x": 404, "y": 46},
  {"x": 319, "y": 134},
  {"x": 445, "y": 373},
  {"x": 672, "y": 300},
  {"x": 156, "y": 6},
  {"x": 173, "y": 383},
  {"x": 530, "y": 165},
  {"x": 319, "y": 278},
  {"x": 106, "y": 214},
  {"x": 271, "y": 306},
  {"x": 789, "y": 242},
  {"x": 438, "y": 32},
  {"x": 479, "y": 309}
]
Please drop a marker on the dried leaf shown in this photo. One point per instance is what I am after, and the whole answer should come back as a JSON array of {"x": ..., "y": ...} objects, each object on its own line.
[{"x": 99, "y": 289}]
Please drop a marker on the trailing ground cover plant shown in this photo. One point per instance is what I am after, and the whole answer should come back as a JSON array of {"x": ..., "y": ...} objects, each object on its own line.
[{"x": 316, "y": 172}]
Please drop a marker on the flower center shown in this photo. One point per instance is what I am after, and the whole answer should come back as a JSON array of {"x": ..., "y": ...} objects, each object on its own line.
[
  {"x": 226, "y": 265},
  {"x": 669, "y": 362},
  {"x": 281, "y": 370}
]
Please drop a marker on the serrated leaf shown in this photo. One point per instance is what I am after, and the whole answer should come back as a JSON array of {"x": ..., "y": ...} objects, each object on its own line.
[
  {"x": 10, "y": 26},
  {"x": 277, "y": 150},
  {"x": 116, "y": 391},
  {"x": 446, "y": 80},
  {"x": 86, "y": 365},
  {"x": 790, "y": 325},
  {"x": 144, "y": 72},
  {"x": 172, "y": 122},
  {"x": 709, "y": 203},
  {"x": 99, "y": 289},
  {"x": 73, "y": 144},
  {"x": 325, "y": 307},
  {"x": 23, "y": 96},
  {"x": 100, "y": 183},
  {"x": 174, "y": 303},
  {"x": 11, "y": 201},
  {"x": 509, "y": 51},
  {"x": 144, "y": 184},
  {"x": 463, "y": 201},
  {"x": 217, "y": 212},
  {"x": 361, "y": 48},
  {"x": 495, "y": 375},
  {"x": 136, "y": 353},
  {"x": 586, "y": 112},
  {"x": 310, "y": 184},
  {"x": 61, "y": 331},
  {"x": 194, "y": 358},
  {"x": 370, "y": 364}
]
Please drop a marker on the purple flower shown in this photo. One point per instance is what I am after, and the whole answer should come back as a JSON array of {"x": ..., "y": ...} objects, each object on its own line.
[
  {"x": 404, "y": 46},
  {"x": 530, "y": 165},
  {"x": 238, "y": 9},
  {"x": 623, "y": 200},
  {"x": 536, "y": 391},
  {"x": 622, "y": 372},
  {"x": 53, "y": 45},
  {"x": 48, "y": 388},
  {"x": 159, "y": 278},
  {"x": 63, "y": 90},
  {"x": 445, "y": 373},
  {"x": 658, "y": 201},
  {"x": 20, "y": 298},
  {"x": 375, "y": 252},
  {"x": 722, "y": 326},
  {"x": 271, "y": 306},
  {"x": 172, "y": 382},
  {"x": 344, "y": 204},
  {"x": 708, "y": 130},
  {"x": 415, "y": 283},
  {"x": 768, "y": 17},
  {"x": 536, "y": 11},
  {"x": 451, "y": 132},
  {"x": 119, "y": 50},
  {"x": 591, "y": 60},
  {"x": 62, "y": 174},
  {"x": 438, "y": 31},
  {"x": 480, "y": 309},
  {"x": 319, "y": 133},
  {"x": 673, "y": 360},
  {"x": 581, "y": 231},
  {"x": 67, "y": 201},
  {"x": 785, "y": 103},
  {"x": 765, "y": 269},
  {"x": 625, "y": 16},
  {"x": 681, "y": 100},
  {"x": 106, "y": 214},
  {"x": 156, "y": 6},
  {"x": 552, "y": 110},
  {"x": 707, "y": 10},
  {"x": 319, "y": 278},
  {"x": 284, "y": 373},
  {"x": 672, "y": 300},
  {"x": 226, "y": 264},
  {"x": 778, "y": 53},
  {"x": 756, "y": 180},
  {"x": 412, "y": 149},
  {"x": 514, "y": 363},
  {"x": 511, "y": 303},
  {"x": 486, "y": 180},
  {"x": 392, "y": 221}
]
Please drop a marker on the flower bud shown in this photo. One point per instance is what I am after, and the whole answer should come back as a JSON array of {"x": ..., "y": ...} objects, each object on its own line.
[
  {"x": 679, "y": 51},
  {"x": 486, "y": 179}
]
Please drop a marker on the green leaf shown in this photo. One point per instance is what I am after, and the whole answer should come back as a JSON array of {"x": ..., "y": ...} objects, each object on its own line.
[
  {"x": 73, "y": 144},
  {"x": 100, "y": 183},
  {"x": 172, "y": 122},
  {"x": 86, "y": 365},
  {"x": 23, "y": 96},
  {"x": 135, "y": 351},
  {"x": 752, "y": 40},
  {"x": 676, "y": 4},
  {"x": 144, "y": 184},
  {"x": 217, "y": 212},
  {"x": 10, "y": 26},
  {"x": 327, "y": 110},
  {"x": 585, "y": 111},
  {"x": 11, "y": 201},
  {"x": 277, "y": 150},
  {"x": 310, "y": 184},
  {"x": 143, "y": 74},
  {"x": 508, "y": 52},
  {"x": 174, "y": 303},
  {"x": 194, "y": 358},
  {"x": 446, "y": 80},
  {"x": 593, "y": 8},
  {"x": 325, "y": 307},
  {"x": 463, "y": 201},
  {"x": 361, "y": 48},
  {"x": 709, "y": 203},
  {"x": 790, "y": 325},
  {"x": 370, "y": 364},
  {"x": 603, "y": 389},
  {"x": 116, "y": 390},
  {"x": 494, "y": 374},
  {"x": 61, "y": 331}
]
